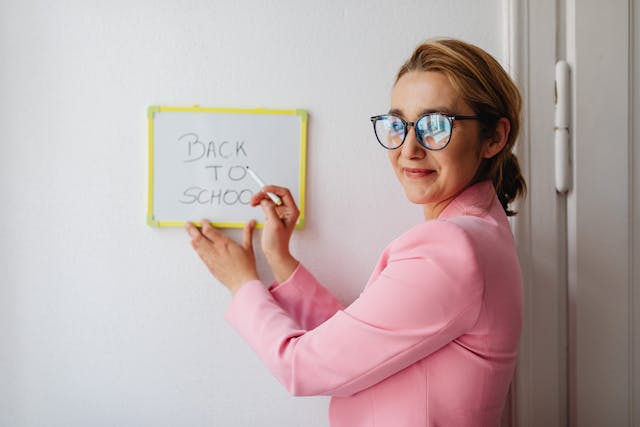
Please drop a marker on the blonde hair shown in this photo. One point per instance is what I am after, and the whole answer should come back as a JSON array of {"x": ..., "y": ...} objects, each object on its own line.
[{"x": 486, "y": 87}]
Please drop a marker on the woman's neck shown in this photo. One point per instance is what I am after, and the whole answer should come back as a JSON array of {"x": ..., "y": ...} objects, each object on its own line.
[{"x": 433, "y": 210}]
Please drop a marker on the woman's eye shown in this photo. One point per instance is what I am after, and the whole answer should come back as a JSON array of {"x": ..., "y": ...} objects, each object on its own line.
[{"x": 397, "y": 127}]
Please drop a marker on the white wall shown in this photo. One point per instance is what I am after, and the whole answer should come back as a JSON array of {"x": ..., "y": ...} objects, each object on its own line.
[{"x": 104, "y": 321}]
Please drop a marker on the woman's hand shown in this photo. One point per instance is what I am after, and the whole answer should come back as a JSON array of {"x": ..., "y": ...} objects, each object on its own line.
[
  {"x": 231, "y": 263},
  {"x": 279, "y": 225}
]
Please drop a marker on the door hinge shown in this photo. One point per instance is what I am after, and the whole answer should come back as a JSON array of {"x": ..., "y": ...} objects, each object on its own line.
[{"x": 562, "y": 134}]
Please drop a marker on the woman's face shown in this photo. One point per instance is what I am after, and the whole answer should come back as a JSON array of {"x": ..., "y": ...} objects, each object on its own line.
[{"x": 434, "y": 178}]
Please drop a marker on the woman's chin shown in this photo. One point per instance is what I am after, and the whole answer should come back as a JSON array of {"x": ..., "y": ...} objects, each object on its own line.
[{"x": 415, "y": 198}]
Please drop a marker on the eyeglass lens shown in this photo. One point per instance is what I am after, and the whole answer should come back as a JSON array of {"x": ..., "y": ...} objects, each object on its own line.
[{"x": 432, "y": 130}]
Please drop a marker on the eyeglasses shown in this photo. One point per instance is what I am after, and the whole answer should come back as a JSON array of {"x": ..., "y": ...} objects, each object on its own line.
[{"x": 433, "y": 130}]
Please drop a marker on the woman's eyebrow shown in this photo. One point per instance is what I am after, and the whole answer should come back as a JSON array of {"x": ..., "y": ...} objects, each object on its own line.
[{"x": 444, "y": 110}]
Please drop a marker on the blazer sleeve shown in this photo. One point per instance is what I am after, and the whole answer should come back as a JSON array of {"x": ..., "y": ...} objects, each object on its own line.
[
  {"x": 428, "y": 294},
  {"x": 304, "y": 299}
]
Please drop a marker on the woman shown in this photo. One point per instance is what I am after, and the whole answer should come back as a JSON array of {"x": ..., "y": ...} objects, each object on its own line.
[{"x": 433, "y": 338}]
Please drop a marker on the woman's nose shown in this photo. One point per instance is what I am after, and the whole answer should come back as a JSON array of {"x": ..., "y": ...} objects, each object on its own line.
[{"x": 411, "y": 149}]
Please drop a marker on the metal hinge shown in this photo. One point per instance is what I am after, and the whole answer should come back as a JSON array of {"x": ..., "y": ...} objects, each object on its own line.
[{"x": 562, "y": 134}]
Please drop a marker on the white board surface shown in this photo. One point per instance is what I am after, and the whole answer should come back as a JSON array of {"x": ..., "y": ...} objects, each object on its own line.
[{"x": 198, "y": 159}]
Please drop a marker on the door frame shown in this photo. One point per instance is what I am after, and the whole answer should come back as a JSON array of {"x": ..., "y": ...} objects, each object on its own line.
[{"x": 539, "y": 395}]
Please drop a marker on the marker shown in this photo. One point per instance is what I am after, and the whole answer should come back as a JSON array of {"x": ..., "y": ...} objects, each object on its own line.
[{"x": 261, "y": 183}]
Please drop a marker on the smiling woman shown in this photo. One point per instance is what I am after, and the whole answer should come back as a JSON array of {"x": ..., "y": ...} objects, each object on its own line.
[
  {"x": 451, "y": 77},
  {"x": 433, "y": 337}
]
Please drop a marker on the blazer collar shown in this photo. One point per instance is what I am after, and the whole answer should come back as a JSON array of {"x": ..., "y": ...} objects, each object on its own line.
[{"x": 474, "y": 200}]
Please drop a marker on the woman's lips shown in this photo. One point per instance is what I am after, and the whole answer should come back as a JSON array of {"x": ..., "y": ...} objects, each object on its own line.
[{"x": 416, "y": 172}]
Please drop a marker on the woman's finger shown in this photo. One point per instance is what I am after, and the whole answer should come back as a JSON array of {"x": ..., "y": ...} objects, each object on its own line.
[
  {"x": 283, "y": 193},
  {"x": 201, "y": 244},
  {"x": 257, "y": 198},
  {"x": 270, "y": 212},
  {"x": 247, "y": 235},
  {"x": 210, "y": 232},
  {"x": 198, "y": 240},
  {"x": 192, "y": 230}
]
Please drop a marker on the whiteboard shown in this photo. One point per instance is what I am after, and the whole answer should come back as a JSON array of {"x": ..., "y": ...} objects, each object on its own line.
[{"x": 198, "y": 159}]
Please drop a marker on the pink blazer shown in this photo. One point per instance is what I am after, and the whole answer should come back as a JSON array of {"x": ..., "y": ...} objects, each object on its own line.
[{"x": 431, "y": 341}]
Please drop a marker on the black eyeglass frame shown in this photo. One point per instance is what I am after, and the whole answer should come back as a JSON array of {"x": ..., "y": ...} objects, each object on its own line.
[{"x": 407, "y": 125}]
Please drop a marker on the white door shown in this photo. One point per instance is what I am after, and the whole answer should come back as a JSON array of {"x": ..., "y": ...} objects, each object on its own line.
[
  {"x": 580, "y": 359},
  {"x": 603, "y": 213},
  {"x": 540, "y": 397}
]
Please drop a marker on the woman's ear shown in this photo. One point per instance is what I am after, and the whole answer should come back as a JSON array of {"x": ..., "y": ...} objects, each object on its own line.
[{"x": 499, "y": 139}]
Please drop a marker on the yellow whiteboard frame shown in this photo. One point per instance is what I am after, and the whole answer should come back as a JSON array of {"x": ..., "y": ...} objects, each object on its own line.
[{"x": 152, "y": 109}]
